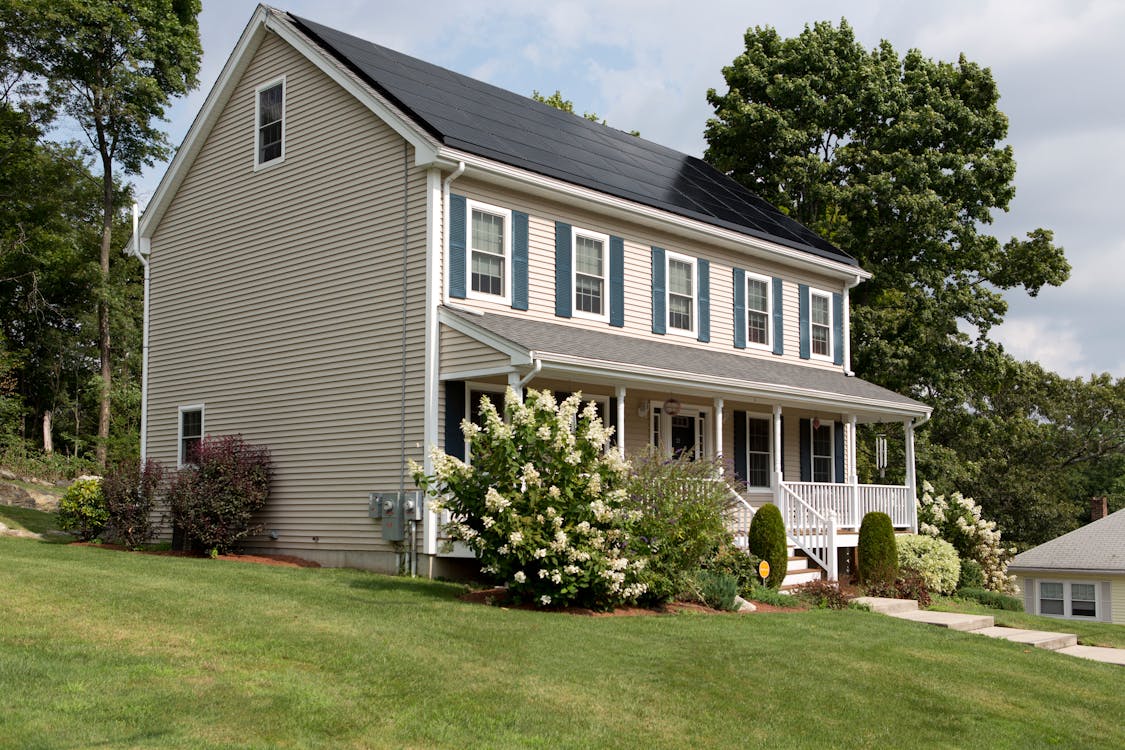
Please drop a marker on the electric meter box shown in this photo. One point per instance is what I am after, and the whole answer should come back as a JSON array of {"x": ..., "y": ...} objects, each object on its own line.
[{"x": 392, "y": 510}]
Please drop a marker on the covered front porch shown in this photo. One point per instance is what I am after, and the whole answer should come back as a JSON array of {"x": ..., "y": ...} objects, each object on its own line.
[{"x": 776, "y": 438}]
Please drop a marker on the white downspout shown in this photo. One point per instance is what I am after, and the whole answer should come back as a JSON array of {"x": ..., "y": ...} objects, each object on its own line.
[
  {"x": 136, "y": 250},
  {"x": 848, "y": 326}
]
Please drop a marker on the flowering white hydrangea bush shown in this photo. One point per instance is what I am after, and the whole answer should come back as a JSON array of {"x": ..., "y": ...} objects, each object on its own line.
[
  {"x": 958, "y": 521},
  {"x": 542, "y": 503}
]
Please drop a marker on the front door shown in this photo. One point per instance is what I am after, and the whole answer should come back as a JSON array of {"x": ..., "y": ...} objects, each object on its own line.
[
  {"x": 683, "y": 436},
  {"x": 680, "y": 434}
]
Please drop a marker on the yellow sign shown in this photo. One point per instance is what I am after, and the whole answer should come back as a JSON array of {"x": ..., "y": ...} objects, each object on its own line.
[{"x": 764, "y": 570}]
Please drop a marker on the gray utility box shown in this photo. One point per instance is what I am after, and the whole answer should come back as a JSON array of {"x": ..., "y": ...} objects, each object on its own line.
[{"x": 392, "y": 510}]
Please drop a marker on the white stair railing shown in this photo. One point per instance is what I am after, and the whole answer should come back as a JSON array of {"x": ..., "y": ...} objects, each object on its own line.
[
  {"x": 810, "y": 531},
  {"x": 739, "y": 516}
]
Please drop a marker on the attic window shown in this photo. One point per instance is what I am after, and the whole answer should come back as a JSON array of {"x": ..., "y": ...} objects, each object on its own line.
[{"x": 270, "y": 118}]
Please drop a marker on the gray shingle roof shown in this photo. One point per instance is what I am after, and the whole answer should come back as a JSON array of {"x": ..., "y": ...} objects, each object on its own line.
[
  {"x": 1096, "y": 546},
  {"x": 488, "y": 121},
  {"x": 624, "y": 352}
]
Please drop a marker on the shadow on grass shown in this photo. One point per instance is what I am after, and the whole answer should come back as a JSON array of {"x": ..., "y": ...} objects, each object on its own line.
[{"x": 420, "y": 587}]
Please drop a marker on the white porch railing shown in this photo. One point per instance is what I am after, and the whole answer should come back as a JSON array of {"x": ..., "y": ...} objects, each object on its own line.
[
  {"x": 810, "y": 530},
  {"x": 851, "y": 502},
  {"x": 739, "y": 516}
]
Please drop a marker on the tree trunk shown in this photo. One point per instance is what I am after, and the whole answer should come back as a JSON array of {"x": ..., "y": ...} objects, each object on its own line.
[
  {"x": 48, "y": 442},
  {"x": 103, "y": 310}
]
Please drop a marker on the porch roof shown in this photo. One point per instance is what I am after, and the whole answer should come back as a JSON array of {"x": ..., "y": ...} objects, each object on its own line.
[{"x": 630, "y": 360}]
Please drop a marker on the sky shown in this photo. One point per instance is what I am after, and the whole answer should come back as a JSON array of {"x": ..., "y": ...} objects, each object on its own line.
[{"x": 647, "y": 65}]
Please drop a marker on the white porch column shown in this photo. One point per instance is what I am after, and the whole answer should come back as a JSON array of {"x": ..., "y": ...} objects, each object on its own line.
[
  {"x": 851, "y": 470},
  {"x": 911, "y": 478},
  {"x": 621, "y": 420},
  {"x": 514, "y": 383},
  {"x": 778, "y": 470},
  {"x": 719, "y": 431}
]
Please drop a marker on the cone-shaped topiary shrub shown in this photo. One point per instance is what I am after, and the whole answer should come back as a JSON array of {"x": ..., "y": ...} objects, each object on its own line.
[
  {"x": 878, "y": 554},
  {"x": 767, "y": 541}
]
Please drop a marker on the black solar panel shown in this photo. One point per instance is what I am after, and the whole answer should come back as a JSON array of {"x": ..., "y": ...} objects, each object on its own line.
[{"x": 488, "y": 121}]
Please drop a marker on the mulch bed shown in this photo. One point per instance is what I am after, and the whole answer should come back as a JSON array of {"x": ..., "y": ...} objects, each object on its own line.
[
  {"x": 498, "y": 597},
  {"x": 284, "y": 561}
]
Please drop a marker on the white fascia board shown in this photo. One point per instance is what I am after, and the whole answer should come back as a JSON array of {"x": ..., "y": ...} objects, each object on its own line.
[
  {"x": 1023, "y": 570},
  {"x": 518, "y": 354},
  {"x": 661, "y": 379},
  {"x": 266, "y": 19},
  {"x": 550, "y": 187}
]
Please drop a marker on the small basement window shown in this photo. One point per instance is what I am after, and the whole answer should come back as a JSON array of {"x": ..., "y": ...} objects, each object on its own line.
[{"x": 270, "y": 119}]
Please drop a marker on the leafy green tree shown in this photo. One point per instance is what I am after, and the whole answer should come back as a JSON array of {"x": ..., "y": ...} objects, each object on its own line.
[
  {"x": 111, "y": 66},
  {"x": 898, "y": 161}
]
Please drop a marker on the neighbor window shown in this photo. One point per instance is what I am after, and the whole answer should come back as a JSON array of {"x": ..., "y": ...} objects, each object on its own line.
[
  {"x": 822, "y": 458},
  {"x": 1078, "y": 599},
  {"x": 191, "y": 433},
  {"x": 820, "y": 324},
  {"x": 270, "y": 123},
  {"x": 590, "y": 261},
  {"x": 758, "y": 451},
  {"x": 489, "y": 243},
  {"x": 681, "y": 294},
  {"x": 757, "y": 310}
]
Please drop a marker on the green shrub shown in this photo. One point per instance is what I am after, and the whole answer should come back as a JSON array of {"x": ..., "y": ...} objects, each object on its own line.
[
  {"x": 764, "y": 594},
  {"x": 214, "y": 500},
  {"x": 717, "y": 590},
  {"x": 823, "y": 594},
  {"x": 128, "y": 490},
  {"x": 543, "y": 503},
  {"x": 972, "y": 575},
  {"x": 681, "y": 520},
  {"x": 16, "y": 457},
  {"x": 82, "y": 509},
  {"x": 992, "y": 599},
  {"x": 878, "y": 555},
  {"x": 742, "y": 565},
  {"x": 933, "y": 559},
  {"x": 766, "y": 540}
]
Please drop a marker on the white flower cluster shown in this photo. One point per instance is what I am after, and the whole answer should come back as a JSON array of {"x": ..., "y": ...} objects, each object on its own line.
[{"x": 958, "y": 520}]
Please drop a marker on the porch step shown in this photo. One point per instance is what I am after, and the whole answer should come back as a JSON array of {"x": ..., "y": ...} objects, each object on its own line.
[{"x": 794, "y": 578}]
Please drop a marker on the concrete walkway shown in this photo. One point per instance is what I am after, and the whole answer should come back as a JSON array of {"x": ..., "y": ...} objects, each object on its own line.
[{"x": 1063, "y": 643}]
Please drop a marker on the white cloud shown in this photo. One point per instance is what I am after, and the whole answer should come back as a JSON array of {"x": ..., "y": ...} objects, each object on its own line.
[{"x": 1048, "y": 341}]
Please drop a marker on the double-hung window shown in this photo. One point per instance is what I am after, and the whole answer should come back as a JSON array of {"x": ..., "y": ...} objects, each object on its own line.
[
  {"x": 681, "y": 294},
  {"x": 270, "y": 123},
  {"x": 1077, "y": 599},
  {"x": 591, "y": 269},
  {"x": 190, "y": 434},
  {"x": 758, "y": 311},
  {"x": 820, "y": 324},
  {"x": 823, "y": 461},
  {"x": 490, "y": 247},
  {"x": 758, "y": 439}
]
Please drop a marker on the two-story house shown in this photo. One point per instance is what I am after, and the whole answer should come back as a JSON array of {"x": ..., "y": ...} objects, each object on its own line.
[{"x": 352, "y": 246}]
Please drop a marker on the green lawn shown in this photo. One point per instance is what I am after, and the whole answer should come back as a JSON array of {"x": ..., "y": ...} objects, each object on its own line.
[
  {"x": 27, "y": 519},
  {"x": 1089, "y": 633},
  {"x": 112, "y": 649}
]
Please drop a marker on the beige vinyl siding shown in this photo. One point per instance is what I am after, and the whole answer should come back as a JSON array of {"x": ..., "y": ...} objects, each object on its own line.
[
  {"x": 1117, "y": 598},
  {"x": 638, "y": 242},
  {"x": 460, "y": 354},
  {"x": 277, "y": 301},
  {"x": 1028, "y": 584}
]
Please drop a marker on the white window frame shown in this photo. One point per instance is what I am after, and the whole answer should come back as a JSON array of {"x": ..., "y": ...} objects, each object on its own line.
[
  {"x": 768, "y": 418},
  {"x": 831, "y": 325},
  {"x": 1068, "y": 599},
  {"x": 506, "y": 282},
  {"x": 694, "y": 263},
  {"x": 831, "y": 424},
  {"x": 768, "y": 281},
  {"x": 180, "y": 411},
  {"x": 660, "y": 427},
  {"x": 258, "y": 127},
  {"x": 575, "y": 233}
]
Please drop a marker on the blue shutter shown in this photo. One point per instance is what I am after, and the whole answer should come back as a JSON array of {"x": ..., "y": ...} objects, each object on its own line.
[
  {"x": 806, "y": 450},
  {"x": 703, "y": 329},
  {"x": 563, "y": 295},
  {"x": 838, "y": 328},
  {"x": 519, "y": 260},
  {"x": 778, "y": 319},
  {"x": 838, "y": 436},
  {"x": 740, "y": 467},
  {"x": 457, "y": 240},
  {"x": 611, "y": 421},
  {"x": 803, "y": 294},
  {"x": 454, "y": 413},
  {"x": 616, "y": 282},
  {"x": 659, "y": 316},
  {"x": 739, "y": 309}
]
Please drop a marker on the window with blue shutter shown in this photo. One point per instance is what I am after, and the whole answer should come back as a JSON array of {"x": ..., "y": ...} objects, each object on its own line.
[
  {"x": 457, "y": 252},
  {"x": 659, "y": 314},
  {"x": 519, "y": 260},
  {"x": 739, "y": 308},
  {"x": 778, "y": 319},
  {"x": 703, "y": 270},
  {"x": 740, "y": 445},
  {"x": 838, "y": 328},
  {"x": 803, "y": 305},
  {"x": 805, "y": 437},
  {"x": 616, "y": 282},
  {"x": 839, "y": 452},
  {"x": 563, "y": 291}
]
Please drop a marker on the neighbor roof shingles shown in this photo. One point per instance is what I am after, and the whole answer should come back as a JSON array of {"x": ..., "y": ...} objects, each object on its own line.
[
  {"x": 488, "y": 121},
  {"x": 1099, "y": 545}
]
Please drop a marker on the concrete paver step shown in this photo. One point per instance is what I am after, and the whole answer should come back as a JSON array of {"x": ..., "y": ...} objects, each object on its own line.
[
  {"x": 951, "y": 620},
  {"x": 885, "y": 606},
  {"x": 1038, "y": 638},
  {"x": 1097, "y": 653}
]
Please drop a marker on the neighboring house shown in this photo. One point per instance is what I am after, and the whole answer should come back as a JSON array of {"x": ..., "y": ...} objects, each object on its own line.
[
  {"x": 352, "y": 246},
  {"x": 1080, "y": 575}
]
